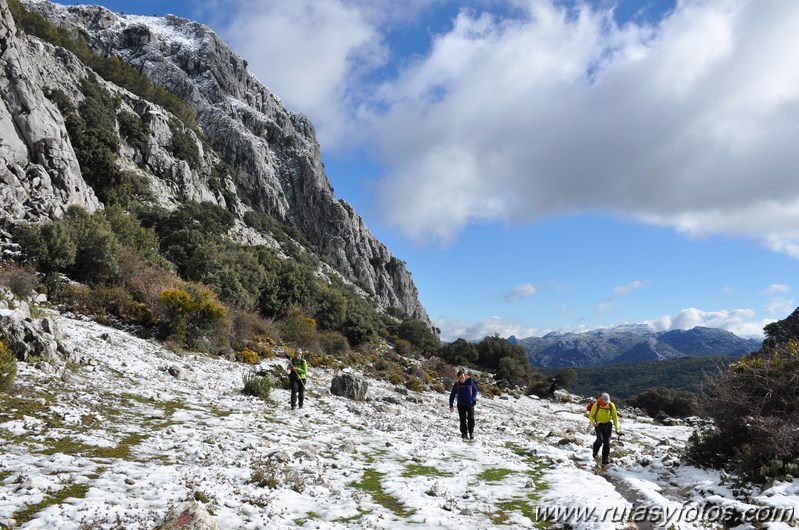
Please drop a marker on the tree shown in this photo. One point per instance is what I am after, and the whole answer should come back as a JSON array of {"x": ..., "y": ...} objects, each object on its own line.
[
  {"x": 460, "y": 352},
  {"x": 420, "y": 335}
]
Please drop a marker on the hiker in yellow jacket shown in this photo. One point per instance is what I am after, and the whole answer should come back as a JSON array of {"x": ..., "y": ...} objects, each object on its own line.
[{"x": 602, "y": 413}]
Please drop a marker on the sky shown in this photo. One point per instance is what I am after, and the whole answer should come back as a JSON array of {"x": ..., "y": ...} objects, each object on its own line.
[{"x": 551, "y": 165}]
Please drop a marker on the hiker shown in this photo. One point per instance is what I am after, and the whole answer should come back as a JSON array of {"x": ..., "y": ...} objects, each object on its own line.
[
  {"x": 603, "y": 411},
  {"x": 466, "y": 391},
  {"x": 298, "y": 368},
  {"x": 552, "y": 387}
]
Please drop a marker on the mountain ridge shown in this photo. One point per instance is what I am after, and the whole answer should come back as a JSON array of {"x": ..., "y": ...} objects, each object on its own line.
[{"x": 631, "y": 345}]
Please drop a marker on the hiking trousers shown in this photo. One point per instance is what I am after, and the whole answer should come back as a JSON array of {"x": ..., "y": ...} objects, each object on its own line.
[
  {"x": 297, "y": 391},
  {"x": 603, "y": 434},
  {"x": 466, "y": 415}
]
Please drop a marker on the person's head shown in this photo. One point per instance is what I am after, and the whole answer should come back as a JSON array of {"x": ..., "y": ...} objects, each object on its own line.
[
  {"x": 605, "y": 397},
  {"x": 461, "y": 375},
  {"x": 297, "y": 354}
]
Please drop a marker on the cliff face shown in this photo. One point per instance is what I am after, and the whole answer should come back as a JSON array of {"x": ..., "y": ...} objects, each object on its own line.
[{"x": 269, "y": 157}]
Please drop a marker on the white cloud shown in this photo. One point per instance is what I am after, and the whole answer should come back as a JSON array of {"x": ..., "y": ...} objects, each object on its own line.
[
  {"x": 780, "y": 307},
  {"x": 737, "y": 321},
  {"x": 562, "y": 112},
  {"x": 455, "y": 328},
  {"x": 775, "y": 288},
  {"x": 520, "y": 292},
  {"x": 627, "y": 289},
  {"x": 555, "y": 111}
]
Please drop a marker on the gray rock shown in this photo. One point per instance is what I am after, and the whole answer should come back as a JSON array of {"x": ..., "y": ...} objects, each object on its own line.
[{"x": 349, "y": 386}]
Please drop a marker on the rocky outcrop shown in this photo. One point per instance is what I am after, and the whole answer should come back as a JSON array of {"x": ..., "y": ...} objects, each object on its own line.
[
  {"x": 31, "y": 339},
  {"x": 39, "y": 173},
  {"x": 273, "y": 153}
]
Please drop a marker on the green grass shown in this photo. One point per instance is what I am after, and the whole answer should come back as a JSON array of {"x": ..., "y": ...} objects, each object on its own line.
[
  {"x": 76, "y": 491},
  {"x": 414, "y": 470},
  {"x": 68, "y": 446},
  {"x": 495, "y": 475},
  {"x": 370, "y": 483},
  {"x": 354, "y": 518}
]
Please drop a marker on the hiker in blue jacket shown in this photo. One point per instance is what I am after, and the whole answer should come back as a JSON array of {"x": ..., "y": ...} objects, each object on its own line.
[{"x": 466, "y": 391}]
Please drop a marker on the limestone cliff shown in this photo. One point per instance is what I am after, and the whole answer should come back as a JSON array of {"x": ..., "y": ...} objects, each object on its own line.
[{"x": 254, "y": 155}]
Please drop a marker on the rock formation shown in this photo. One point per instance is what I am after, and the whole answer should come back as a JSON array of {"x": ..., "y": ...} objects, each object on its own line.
[{"x": 254, "y": 153}]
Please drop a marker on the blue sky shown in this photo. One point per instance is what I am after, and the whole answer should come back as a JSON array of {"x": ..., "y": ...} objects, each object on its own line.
[{"x": 551, "y": 165}]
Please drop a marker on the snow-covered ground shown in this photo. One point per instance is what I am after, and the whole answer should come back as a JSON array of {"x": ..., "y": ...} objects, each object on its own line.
[{"x": 124, "y": 441}]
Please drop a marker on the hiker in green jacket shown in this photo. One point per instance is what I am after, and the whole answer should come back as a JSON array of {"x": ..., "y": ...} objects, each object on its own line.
[
  {"x": 603, "y": 411},
  {"x": 298, "y": 369}
]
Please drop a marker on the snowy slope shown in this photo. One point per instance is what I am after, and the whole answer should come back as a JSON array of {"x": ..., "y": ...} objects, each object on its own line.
[{"x": 125, "y": 441}]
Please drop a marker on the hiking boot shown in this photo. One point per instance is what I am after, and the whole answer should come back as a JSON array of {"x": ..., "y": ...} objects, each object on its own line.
[
  {"x": 605, "y": 462},
  {"x": 471, "y": 436},
  {"x": 463, "y": 436}
]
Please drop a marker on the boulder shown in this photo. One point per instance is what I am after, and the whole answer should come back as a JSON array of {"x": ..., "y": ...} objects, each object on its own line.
[{"x": 349, "y": 386}]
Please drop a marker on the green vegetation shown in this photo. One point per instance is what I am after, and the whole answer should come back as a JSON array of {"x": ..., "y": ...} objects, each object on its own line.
[
  {"x": 8, "y": 367},
  {"x": 72, "y": 491},
  {"x": 414, "y": 470},
  {"x": 623, "y": 381},
  {"x": 256, "y": 385},
  {"x": 92, "y": 131},
  {"x": 495, "y": 474},
  {"x": 370, "y": 483},
  {"x": 762, "y": 389}
]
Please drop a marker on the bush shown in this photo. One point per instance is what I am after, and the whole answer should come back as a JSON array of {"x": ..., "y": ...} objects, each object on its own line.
[
  {"x": 184, "y": 145},
  {"x": 678, "y": 404},
  {"x": 755, "y": 405},
  {"x": 20, "y": 280},
  {"x": 8, "y": 367},
  {"x": 191, "y": 311},
  {"x": 299, "y": 330},
  {"x": 333, "y": 342},
  {"x": 248, "y": 356},
  {"x": 257, "y": 385}
]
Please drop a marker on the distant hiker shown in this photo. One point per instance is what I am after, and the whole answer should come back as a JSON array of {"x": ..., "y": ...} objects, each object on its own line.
[
  {"x": 465, "y": 389},
  {"x": 298, "y": 369},
  {"x": 603, "y": 411},
  {"x": 553, "y": 387}
]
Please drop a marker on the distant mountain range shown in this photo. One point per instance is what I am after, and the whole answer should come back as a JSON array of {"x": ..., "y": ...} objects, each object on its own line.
[{"x": 631, "y": 344}]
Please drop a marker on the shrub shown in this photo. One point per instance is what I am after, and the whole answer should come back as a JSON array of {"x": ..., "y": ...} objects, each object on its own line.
[
  {"x": 184, "y": 145},
  {"x": 133, "y": 129},
  {"x": 298, "y": 329},
  {"x": 20, "y": 280},
  {"x": 333, "y": 342},
  {"x": 414, "y": 384},
  {"x": 248, "y": 356},
  {"x": 8, "y": 367},
  {"x": 190, "y": 311},
  {"x": 755, "y": 405},
  {"x": 49, "y": 246},
  {"x": 420, "y": 335},
  {"x": 678, "y": 404},
  {"x": 257, "y": 385}
]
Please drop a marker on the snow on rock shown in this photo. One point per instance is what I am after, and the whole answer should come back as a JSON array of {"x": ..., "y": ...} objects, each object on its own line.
[{"x": 126, "y": 442}]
